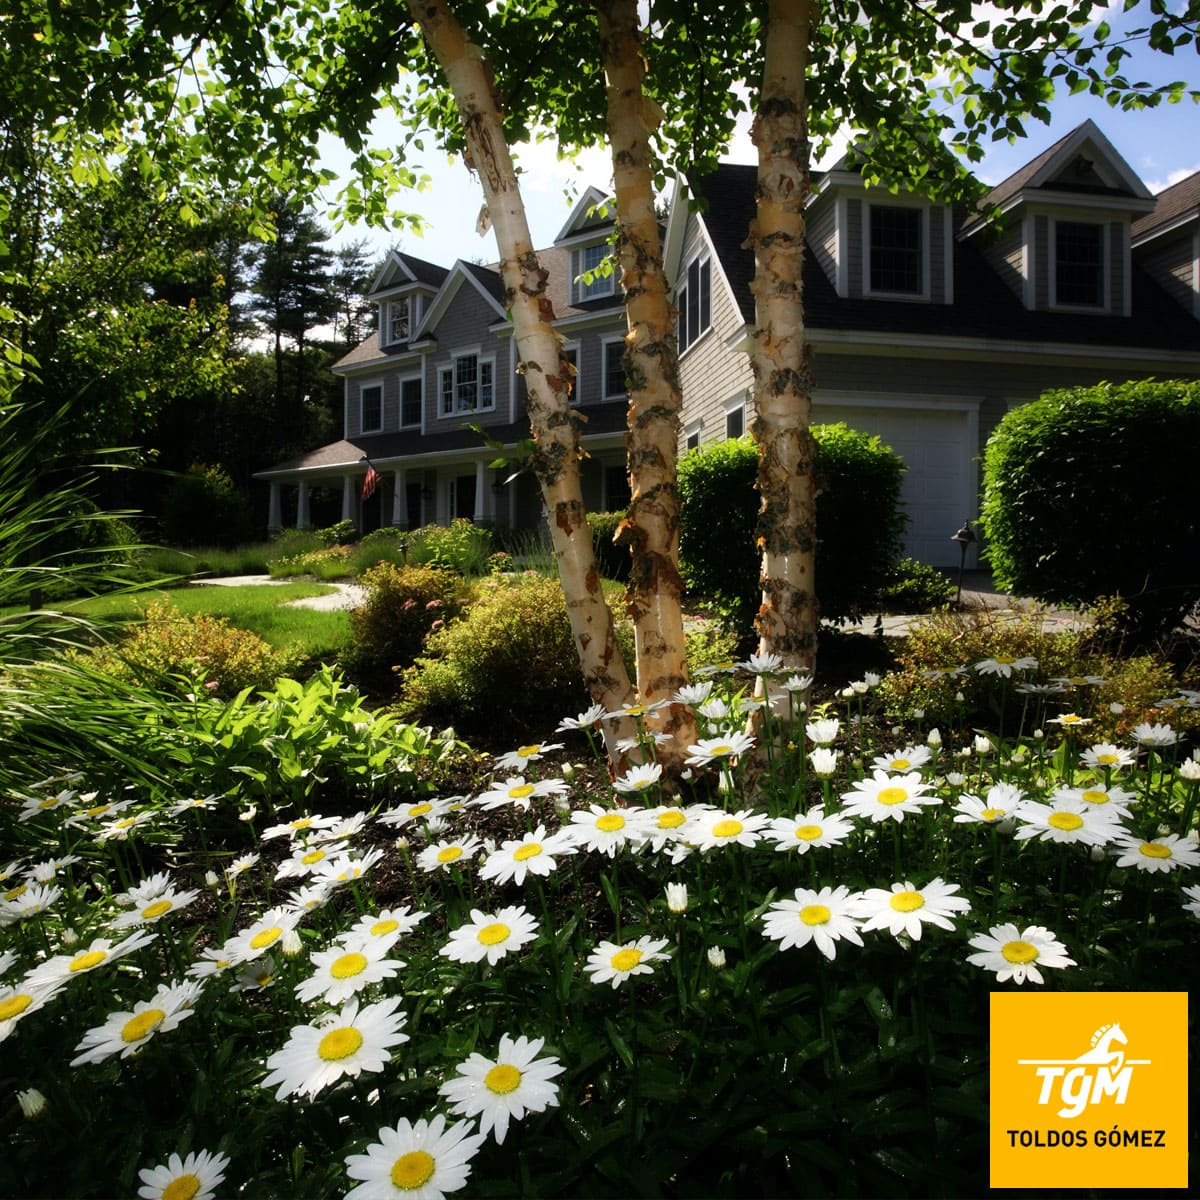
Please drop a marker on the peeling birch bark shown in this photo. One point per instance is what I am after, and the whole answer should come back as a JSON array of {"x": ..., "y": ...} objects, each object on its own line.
[
  {"x": 547, "y": 382},
  {"x": 651, "y": 526},
  {"x": 787, "y": 620}
]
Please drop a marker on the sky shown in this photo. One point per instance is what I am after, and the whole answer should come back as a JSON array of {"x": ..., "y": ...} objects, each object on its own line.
[{"x": 1162, "y": 145}]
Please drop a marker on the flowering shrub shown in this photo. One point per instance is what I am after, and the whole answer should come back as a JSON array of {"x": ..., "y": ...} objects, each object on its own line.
[{"x": 197, "y": 652}]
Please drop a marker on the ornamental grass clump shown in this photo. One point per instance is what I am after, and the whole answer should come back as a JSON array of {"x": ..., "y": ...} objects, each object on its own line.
[{"x": 774, "y": 981}]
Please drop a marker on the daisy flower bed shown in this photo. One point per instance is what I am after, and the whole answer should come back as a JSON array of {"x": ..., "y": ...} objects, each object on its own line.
[{"x": 771, "y": 978}]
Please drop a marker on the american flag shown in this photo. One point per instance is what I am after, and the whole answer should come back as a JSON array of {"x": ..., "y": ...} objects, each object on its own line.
[{"x": 370, "y": 483}]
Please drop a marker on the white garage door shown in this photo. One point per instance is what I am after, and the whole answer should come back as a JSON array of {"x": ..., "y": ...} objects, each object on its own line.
[{"x": 937, "y": 450}]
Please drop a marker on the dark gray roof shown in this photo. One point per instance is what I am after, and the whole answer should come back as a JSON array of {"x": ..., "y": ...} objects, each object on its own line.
[
  {"x": 426, "y": 272},
  {"x": 489, "y": 277},
  {"x": 983, "y": 307},
  {"x": 1171, "y": 203}
]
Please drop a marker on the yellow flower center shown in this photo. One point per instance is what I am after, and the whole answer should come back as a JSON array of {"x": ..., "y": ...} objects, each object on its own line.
[
  {"x": 348, "y": 965},
  {"x": 907, "y": 901},
  {"x": 1069, "y": 719},
  {"x": 502, "y": 1079},
  {"x": 808, "y": 833},
  {"x": 815, "y": 914},
  {"x": 610, "y": 823},
  {"x": 313, "y": 856},
  {"x": 1155, "y": 850},
  {"x": 671, "y": 819},
  {"x": 991, "y": 814},
  {"x": 49, "y": 802},
  {"x": 528, "y": 851},
  {"x": 265, "y": 937},
  {"x": 14, "y": 1006},
  {"x": 96, "y": 810},
  {"x": 520, "y": 791},
  {"x": 626, "y": 960},
  {"x": 727, "y": 829},
  {"x": 412, "y": 1170},
  {"x": 724, "y": 748},
  {"x": 143, "y": 1025},
  {"x": 636, "y": 710},
  {"x": 184, "y": 1187},
  {"x": 1065, "y": 821},
  {"x": 449, "y": 854},
  {"x": 302, "y": 823},
  {"x": 1004, "y": 658},
  {"x": 339, "y": 1043},
  {"x": 419, "y": 810},
  {"x": 1019, "y": 952},
  {"x": 493, "y": 934},
  {"x": 382, "y": 927},
  {"x": 156, "y": 909},
  {"x": 87, "y": 960},
  {"x": 527, "y": 751},
  {"x": 1096, "y": 797},
  {"x": 125, "y": 822},
  {"x": 892, "y": 795},
  {"x": 900, "y": 764},
  {"x": 20, "y": 890},
  {"x": 1107, "y": 759}
]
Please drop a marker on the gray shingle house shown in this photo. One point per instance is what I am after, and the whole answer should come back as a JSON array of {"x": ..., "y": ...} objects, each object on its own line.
[{"x": 927, "y": 324}]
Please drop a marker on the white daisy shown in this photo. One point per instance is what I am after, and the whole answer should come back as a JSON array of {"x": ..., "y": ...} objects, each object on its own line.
[
  {"x": 665, "y": 825},
  {"x": 256, "y": 976},
  {"x": 421, "y": 1161},
  {"x": 904, "y": 908},
  {"x": 823, "y": 917},
  {"x": 340, "y": 972},
  {"x": 18, "y": 1000},
  {"x": 693, "y": 694},
  {"x": 797, "y": 683},
  {"x": 1067, "y": 819},
  {"x": 107, "y": 808},
  {"x": 309, "y": 899},
  {"x": 259, "y": 937},
  {"x": 30, "y": 901},
  {"x": 385, "y": 928},
  {"x": 1004, "y": 665},
  {"x": 99, "y": 952},
  {"x": 155, "y": 910},
  {"x": 125, "y": 1033},
  {"x": 515, "y": 1083},
  {"x": 1157, "y": 734},
  {"x": 150, "y": 888},
  {"x": 490, "y": 935},
  {"x": 516, "y": 759},
  {"x": 534, "y": 854},
  {"x": 716, "y": 828},
  {"x": 638, "y": 779},
  {"x": 346, "y": 828},
  {"x": 195, "y": 804},
  {"x": 1003, "y": 802},
  {"x": 585, "y": 720},
  {"x": 1115, "y": 799},
  {"x": 910, "y": 758},
  {"x": 1161, "y": 854},
  {"x": 423, "y": 810},
  {"x": 610, "y": 962},
  {"x": 212, "y": 960},
  {"x": 196, "y": 1177},
  {"x": 823, "y": 732},
  {"x": 761, "y": 664},
  {"x": 120, "y": 829},
  {"x": 886, "y": 797},
  {"x": 605, "y": 830},
  {"x": 1017, "y": 954},
  {"x": 516, "y": 792},
  {"x": 636, "y": 711},
  {"x": 345, "y": 868},
  {"x": 809, "y": 829},
  {"x": 1070, "y": 721},
  {"x": 1192, "y": 907},
  {"x": 441, "y": 856},
  {"x": 707, "y": 750},
  {"x": 344, "y": 1043},
  {"x": 307, "y": 858},
  {"x": 240, "y": 865},
  {"x": 300, "y": 826}
]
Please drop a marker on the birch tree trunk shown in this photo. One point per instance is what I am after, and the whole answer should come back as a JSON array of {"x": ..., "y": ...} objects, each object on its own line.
[
  {"x": 555, "y": 432},
  {"x": 787, "y": 620},
  {"x": 651, "y": 527}
]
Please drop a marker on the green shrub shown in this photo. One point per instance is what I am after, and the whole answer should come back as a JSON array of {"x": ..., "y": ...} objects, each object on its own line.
[
  {"x": 612, "y": 560},
  {"x": 859, "y": 523},
  {"x": 344, "y": 533},
  {"x": 403, "y": 605},
  {"x": 193, "y": 652},
  {"x": 331, "y": 562},
  {"x": 461, "y": 546},
  {"x": 1091, "y": 492},
  {"x": 915, "y": 587},
  {"x": 508, "y": 664},
  {"x": 384, "y": 545},
  {"x": 203, "y": 507}
]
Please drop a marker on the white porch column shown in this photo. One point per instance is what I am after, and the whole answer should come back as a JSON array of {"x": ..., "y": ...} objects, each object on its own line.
[
  {"x": 399, "y": 497},
  {"x": 481, "y": 493},
  {"x": 275, "y": 509},
  {"x": 347, "y": 497},
  {"x": 303, "y": 519}
]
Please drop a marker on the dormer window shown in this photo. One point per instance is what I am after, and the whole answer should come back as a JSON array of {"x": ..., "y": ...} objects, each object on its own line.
[
  {"x": 588, "y": 259},
  {"x": 1078, "y": 264},
  {"x": 896, "y": 250},
  {"x": 402, "y": 317}
]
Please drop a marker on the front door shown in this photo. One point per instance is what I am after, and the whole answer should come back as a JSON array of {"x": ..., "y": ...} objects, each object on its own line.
[{"x": 462, "y": 497}]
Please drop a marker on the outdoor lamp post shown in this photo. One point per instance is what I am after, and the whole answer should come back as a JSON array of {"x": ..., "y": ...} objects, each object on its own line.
[{"x": 964, "y": 537}]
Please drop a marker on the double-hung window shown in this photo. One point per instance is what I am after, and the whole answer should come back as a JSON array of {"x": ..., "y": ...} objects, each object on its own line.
[
  {"x": 1078, "y": 264},
  {"x": 468, "y": 385},
  {"x": 410, "y": 402},
  {"x": 614, "y": 369},
  {"x": 897, "y": 250},
  {"x": 371, "y": 400},
  {"x": 694, "y": 301},
  {"x": 588, "y": 259}
]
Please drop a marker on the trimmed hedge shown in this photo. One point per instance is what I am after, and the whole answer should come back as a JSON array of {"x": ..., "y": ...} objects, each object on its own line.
[
  {"x": 1091, "y": 492},
  {"x": 859, "y": 523}
]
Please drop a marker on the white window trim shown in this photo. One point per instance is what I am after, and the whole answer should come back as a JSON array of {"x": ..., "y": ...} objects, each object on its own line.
[
  {"x": 1105, "y": 305},
  {"x": 579, "y": 288},
  {"x": 449, "y": 364},
  {"x": 577, "y": 382},
  {"x": 362, "y": 387},
  {"x": 878, "y": 294},
  {"x": 732, "y": 406},
  {"x": 409, "y": 379},
  {"x": 701, "y": 256},
  {"x": 605, "y": 395},
  {"x": 694, "y": 429}
]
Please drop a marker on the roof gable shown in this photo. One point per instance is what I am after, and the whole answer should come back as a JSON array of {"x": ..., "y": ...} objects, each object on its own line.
[
  {"x": 399, "y": 270},
  {"x": 584, "y": 218},
  {"x": 483, "y": 280}
]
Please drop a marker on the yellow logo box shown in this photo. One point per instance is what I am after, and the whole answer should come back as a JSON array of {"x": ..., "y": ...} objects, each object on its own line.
[{"x": 1089, "y": 1089}]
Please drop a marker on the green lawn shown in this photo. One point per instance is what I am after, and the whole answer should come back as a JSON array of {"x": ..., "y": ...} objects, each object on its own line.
[{"x": 262, "y": 608}]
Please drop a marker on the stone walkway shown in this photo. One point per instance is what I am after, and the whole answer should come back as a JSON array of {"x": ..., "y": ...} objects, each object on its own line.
[{"x": 344, "y": 595}]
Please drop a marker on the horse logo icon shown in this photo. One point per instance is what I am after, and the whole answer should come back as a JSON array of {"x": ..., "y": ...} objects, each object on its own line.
[{"x": 1100, "y": 1071}]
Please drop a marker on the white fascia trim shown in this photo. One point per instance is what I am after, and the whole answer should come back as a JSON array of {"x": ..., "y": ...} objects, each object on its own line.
[
  {"x": 1090, "y": 131},
  {"x": 841, "y": 240},
  {"x": 368, "y": 365},
  {"x": 913, "y": 345},
  {"x": 742, "y": 338},
  {"x": 909, "y": 400},
  {"x": 393, "y": 260},
  {"x": 713, "y": 257},
  {"x": 589, "y": 200},
  {"x": 677, "y": 216},
  {"x": 598, "y": 235},
  {"x": 1028, "y": 262},
  {"x": 599, "y": 317}
]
